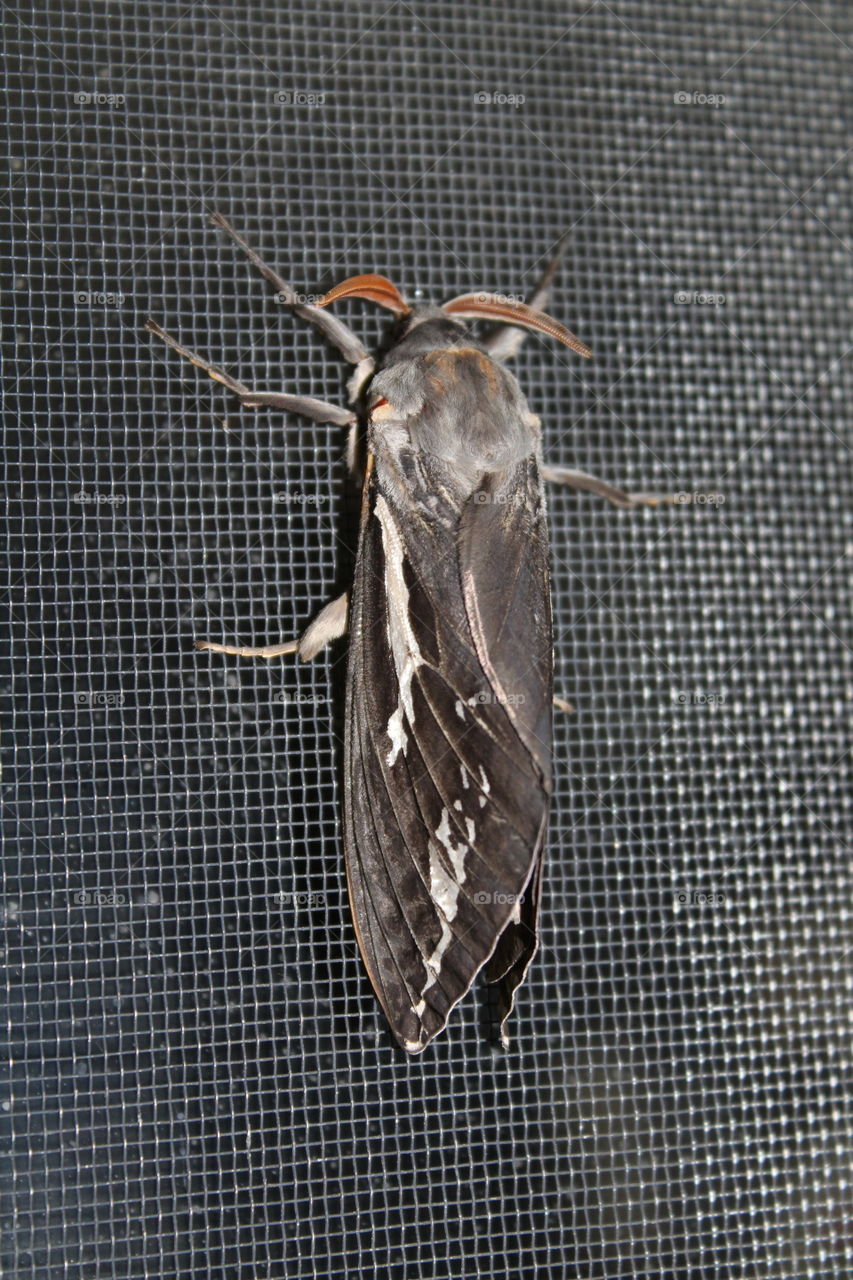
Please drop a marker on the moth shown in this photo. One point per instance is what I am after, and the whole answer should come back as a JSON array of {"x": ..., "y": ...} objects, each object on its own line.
[{"x": 448, "y": 724}]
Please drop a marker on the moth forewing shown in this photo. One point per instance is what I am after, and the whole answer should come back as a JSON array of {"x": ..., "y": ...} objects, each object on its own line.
[{"x": 447, "y": 755}]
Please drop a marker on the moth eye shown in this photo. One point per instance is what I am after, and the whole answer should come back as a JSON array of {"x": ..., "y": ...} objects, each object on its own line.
[{"x": 382, "y": 409}]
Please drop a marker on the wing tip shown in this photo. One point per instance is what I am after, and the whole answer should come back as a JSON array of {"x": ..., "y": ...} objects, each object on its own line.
[{"x": 425, "y": 1036}]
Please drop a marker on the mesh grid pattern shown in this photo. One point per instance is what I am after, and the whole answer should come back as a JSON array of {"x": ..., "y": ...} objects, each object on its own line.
[{"x": 199, "y": 1079}]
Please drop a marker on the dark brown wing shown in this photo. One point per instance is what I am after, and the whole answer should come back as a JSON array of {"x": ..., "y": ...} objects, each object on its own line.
[{"x": 447, "y": 757}]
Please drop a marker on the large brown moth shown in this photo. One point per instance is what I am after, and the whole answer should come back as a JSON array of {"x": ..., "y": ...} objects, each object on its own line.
[{"x": 447, "y": 756}]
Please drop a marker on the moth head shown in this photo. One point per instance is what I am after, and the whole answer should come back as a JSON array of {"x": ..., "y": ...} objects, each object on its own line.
[
  {"x": 491, "y": 306},
  {"x": 373, "y": 288}
]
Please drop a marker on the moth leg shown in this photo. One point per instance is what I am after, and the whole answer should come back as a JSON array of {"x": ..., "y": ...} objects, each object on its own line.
[
  {"x": 266, "y": 651},
  {"x": 585, "y": 483},
  {"x": 505, "y": 342},
  {"x": 308, "y": 406},
  {"x": 330, "y": 624},
  {"x": 340, "y": 335},
  {"x": 562, "y": 705}
]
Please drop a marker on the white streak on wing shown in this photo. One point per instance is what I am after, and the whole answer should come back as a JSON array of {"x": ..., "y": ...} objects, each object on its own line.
[
  {"x": 487, "y": 786},
  {"x": 443, "y": 888},
  {"x": 465, "y": 782},
  {"x": 456, "y": 856},
  {"x": 434, "y": 961},
  {"x": 459, "y": 709},
  {"x": 397, "y": 734},
  {"x": 444, "y": 891},
  {"x": 418, "y": 1009},
  {"x": 470, "y": 828},
  {"x": 404, "y": 647}
]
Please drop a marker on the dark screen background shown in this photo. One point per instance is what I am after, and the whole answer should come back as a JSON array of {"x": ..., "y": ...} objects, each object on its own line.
[{"x": 199, "y": 1078}]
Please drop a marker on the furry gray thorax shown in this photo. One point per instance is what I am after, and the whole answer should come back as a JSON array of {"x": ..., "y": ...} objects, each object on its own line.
[{"x": 451, "y": 401}]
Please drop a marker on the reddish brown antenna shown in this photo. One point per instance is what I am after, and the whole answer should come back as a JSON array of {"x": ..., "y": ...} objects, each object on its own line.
[
  {"x": 374, "y": 288},
  {"x": 490, "y": 306}
]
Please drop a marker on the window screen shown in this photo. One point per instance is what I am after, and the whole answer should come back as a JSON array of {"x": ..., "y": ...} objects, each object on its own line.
[{"x": 199, "y": 1079}]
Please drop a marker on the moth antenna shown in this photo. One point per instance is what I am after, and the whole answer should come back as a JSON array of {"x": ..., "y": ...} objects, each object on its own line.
[
  {"x": 373, "y": 288},
  {"x": 490, "y": 306}
]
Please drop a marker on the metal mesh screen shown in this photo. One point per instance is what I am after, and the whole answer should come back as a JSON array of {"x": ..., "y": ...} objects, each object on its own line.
[{"x": 199, "y": 1078}]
